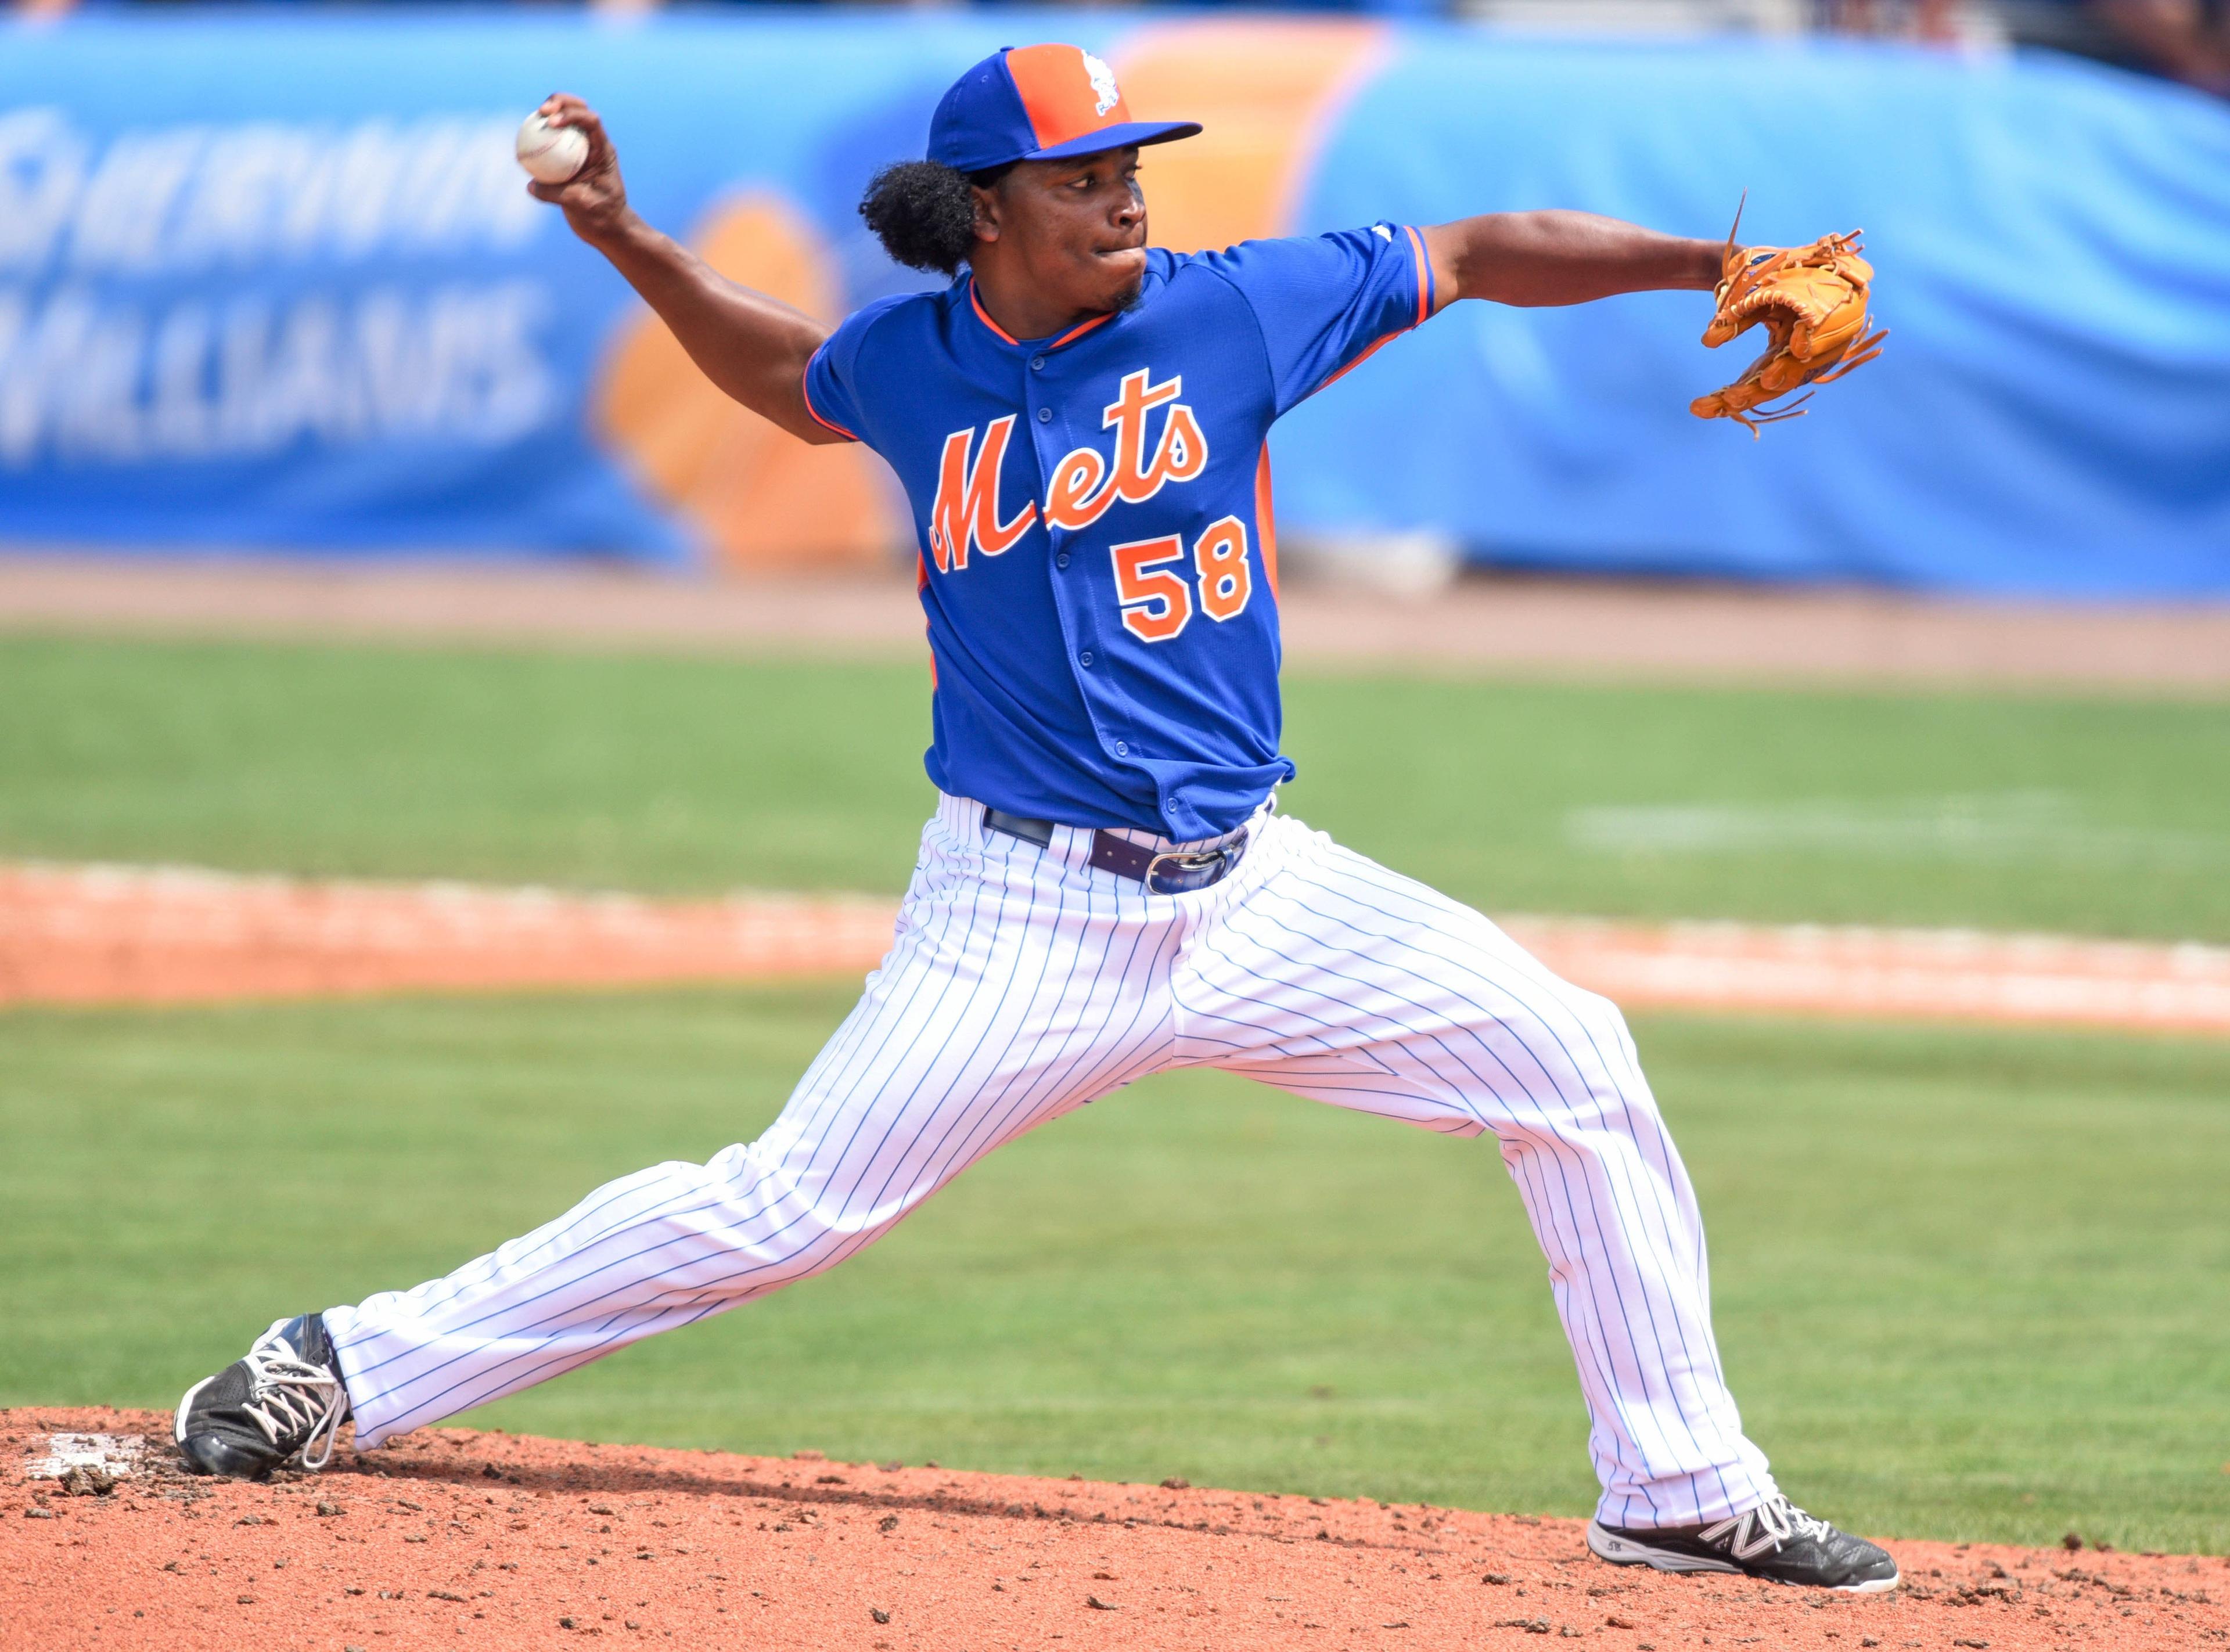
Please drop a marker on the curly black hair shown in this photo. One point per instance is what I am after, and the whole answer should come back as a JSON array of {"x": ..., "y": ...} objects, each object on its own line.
[{"x": 923, "y": 213}]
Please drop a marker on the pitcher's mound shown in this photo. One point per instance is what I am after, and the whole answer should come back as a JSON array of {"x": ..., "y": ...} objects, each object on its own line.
[{"x": 454, "y": 1538}]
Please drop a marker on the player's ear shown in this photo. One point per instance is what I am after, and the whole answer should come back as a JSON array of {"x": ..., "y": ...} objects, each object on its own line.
[{"x": 987, "y": 210}]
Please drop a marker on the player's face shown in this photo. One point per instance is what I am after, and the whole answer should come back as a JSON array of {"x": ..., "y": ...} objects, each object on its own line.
[{"x": 1074, "y": 231}]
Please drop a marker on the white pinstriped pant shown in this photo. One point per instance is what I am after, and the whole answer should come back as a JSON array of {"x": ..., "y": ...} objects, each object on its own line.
[{"x": 1023, "y": 983}]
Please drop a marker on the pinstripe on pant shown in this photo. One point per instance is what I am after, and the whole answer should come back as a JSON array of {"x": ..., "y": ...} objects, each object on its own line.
[{"x": 1023, "y": 983}]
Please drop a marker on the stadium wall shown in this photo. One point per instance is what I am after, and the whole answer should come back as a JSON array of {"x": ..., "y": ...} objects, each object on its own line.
[{"x": 271, "y": 281}]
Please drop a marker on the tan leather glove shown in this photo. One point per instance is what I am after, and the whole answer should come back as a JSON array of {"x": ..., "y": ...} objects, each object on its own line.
[{"x": 1813, "y": 302}]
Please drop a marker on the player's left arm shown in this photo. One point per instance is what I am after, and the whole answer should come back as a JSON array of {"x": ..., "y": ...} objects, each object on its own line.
[{"x": 1557, "y": 257}]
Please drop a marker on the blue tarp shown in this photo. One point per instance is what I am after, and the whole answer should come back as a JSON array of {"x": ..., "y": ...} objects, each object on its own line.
[
  {"x": 2051, "y": 247},
  {"x": 267, "y": 279}
]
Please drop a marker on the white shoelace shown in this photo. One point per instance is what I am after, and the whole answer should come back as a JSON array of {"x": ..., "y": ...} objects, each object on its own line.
[
  {"x": 1765, "y": 1528},
  {"x": 286, "y": 1393}
]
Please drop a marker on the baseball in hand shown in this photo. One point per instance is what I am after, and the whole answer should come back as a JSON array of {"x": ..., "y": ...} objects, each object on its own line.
[{"x": 551, "y": 154}]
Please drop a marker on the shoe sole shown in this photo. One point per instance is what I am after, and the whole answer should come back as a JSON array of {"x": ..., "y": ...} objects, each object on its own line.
[{"x": 1625, "y": 1552}]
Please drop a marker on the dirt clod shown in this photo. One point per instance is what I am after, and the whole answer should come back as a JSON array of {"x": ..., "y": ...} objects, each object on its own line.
[
  {"x": 1176, "y": 1483},
  {"x": 879, "y": 1614}
]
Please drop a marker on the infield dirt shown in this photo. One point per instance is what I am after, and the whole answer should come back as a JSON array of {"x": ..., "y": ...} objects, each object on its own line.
[
  {"x": 455, "y": 1537},
  {"x": 96, "y": 934}
]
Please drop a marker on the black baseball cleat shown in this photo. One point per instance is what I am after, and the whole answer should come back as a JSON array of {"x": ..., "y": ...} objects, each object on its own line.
[
  {"x": 285, "y": 1399},
  {"x": 1777, "y": 1540}
]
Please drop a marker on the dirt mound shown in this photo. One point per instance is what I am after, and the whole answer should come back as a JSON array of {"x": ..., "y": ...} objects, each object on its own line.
[{"x": 450, "y": 1538}]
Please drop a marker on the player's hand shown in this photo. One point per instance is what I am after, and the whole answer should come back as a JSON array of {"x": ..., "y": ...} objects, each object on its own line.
[{"x": 594, "y": 198}]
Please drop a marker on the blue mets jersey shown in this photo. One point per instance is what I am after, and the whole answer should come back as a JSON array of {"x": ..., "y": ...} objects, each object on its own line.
[{"x": 1098, "y": 561}]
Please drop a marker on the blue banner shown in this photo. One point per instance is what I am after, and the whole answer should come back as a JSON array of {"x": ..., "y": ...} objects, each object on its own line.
[
  {"x": 271, "y": 281},
  {"x": 2051, "y": 414}
]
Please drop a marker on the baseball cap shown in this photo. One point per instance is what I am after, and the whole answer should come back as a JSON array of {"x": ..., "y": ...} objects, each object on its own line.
[{"x": 1037, "y": 103}]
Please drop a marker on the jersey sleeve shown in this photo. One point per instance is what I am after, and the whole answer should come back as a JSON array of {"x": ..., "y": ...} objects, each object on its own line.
[
  {"x": 832, "y": 379},
  {"x": 1324, "y": 302}
]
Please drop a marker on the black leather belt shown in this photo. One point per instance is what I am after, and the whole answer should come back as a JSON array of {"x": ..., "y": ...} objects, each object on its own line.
[{"x": 1162, "y": 871}]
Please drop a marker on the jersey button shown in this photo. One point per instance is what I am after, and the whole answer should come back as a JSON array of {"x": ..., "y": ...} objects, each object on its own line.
[
  {"x": 1085, "y": 659},
  {"x": 1121, "y": 749},
  {"x": 1061, "y": 561},
  {"x": 1037, "y": 363},
  {"x": 1045, "y": 416}
]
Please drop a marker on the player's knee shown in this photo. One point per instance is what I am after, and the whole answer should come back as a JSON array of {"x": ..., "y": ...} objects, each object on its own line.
[{"x": 1601, "y": 1021}]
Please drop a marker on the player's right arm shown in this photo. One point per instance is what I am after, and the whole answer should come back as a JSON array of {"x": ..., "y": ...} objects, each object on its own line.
[{"x": 754, "y": 347}]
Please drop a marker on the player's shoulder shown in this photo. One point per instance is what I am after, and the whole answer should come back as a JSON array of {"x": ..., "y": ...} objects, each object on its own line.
[
  {"x": 1282, "y": 252},
  {"x": 895, "y": 315}
]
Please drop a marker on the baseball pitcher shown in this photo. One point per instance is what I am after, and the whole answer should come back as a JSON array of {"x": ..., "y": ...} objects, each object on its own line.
[{"x": 1105, "y": 890}]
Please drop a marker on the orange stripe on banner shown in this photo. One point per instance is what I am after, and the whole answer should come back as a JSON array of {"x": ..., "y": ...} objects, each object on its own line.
[
  {"x": 155, "y": 934},
  {"x": 753, "y": 494},
  {"x": 1265, "y": 519},
  {"x": 1268, "y": 91}
]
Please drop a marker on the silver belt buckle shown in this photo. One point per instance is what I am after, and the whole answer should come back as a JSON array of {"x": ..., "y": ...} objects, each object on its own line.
[{"x": 1194, "y": 860}]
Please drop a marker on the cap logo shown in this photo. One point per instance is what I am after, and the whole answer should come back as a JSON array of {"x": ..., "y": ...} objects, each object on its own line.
[
  {"x": 1050, "y": 101},
  {"x": 1103, "y": 84}
]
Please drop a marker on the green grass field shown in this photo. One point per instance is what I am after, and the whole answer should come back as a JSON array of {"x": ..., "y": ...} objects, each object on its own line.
[
  {"x": 2105, "y": 817},
  {"x": 1969, "y": 1284}
]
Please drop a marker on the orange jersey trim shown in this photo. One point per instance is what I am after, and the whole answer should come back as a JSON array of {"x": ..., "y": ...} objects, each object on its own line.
[
  {"x": 805, "y": 389},
  {"x": 976, "y": 302},
  {"x": 1266, "y": 520},
  {"x": 984, "y": 315},
  {"x": 1359, "y": 360},
  {"x": 1424, "y": 275},
  {"x": 1081, "y": 329},
  {"x": 1424, "y": 311}
]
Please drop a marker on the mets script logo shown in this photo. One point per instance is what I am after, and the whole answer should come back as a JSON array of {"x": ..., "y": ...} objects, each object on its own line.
[
  {"x": 1082, "y": 485},
  {"x": 1103, "y": 84}
]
